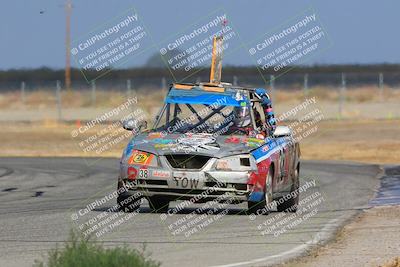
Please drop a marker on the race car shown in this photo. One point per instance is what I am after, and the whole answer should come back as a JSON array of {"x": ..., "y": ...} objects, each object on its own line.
[{"x": 211, "y": 142}]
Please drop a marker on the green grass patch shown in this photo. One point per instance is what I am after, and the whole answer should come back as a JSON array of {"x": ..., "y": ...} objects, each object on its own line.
[{"x": 80, "y": 251}]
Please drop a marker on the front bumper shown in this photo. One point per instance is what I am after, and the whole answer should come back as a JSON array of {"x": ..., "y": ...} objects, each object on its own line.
[
  {"x": 205, "y": 184},
  {"x": 210, "y": 190}
]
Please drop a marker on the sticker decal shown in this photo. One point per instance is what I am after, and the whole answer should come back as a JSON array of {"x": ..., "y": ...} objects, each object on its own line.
[
  {"x": 140, "y": 158},
  {"x": 162, "y": 141},
  {"x": 155, "y": 135},
  {"x": 143, "y": 173},
  {"x": 132, "y": 173},
  {"x": 253, "y": 142},
  {"x": 232, "y": 139},
  {"x": 161, "y": 174},
  {"x": 198, "y": 142},
  {"x": 265, "y": 148}
]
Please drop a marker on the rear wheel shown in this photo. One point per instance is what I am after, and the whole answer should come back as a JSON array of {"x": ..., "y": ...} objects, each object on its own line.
[
  {"x": 261, "y": 207},
  {"x": 158, "y": 204},
  {"x": 290, "y": 204},
  {"x": 128, "y": 203}
]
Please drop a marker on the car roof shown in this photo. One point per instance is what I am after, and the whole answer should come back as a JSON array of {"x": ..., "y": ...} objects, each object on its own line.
[{"x": 207, "y": 94}]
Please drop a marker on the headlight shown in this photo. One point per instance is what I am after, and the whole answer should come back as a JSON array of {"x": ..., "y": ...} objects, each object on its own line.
[
  {"x": 143, "y": 158},
  {"x": 236, "y": 163}
]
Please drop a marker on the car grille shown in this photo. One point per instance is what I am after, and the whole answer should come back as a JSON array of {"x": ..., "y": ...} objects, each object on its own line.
[
  {"x": 151, "y": 182},
  {"x": 186, "y": 161}
]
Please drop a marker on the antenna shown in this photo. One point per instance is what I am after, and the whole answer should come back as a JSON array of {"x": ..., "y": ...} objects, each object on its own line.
[{"x": 68, "y": 9}]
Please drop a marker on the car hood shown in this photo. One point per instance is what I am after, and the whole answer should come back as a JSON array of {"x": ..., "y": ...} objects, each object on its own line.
[{"x": 199, "y": 144}]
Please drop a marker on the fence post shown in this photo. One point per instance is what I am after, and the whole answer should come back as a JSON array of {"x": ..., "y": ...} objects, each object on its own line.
[
  {"x": 23, "y": 92},
  {"x": 272, "y": 85},
  {"x": 306, "y": 84},
  {"x": 58, "y": 96},
  {"x": 164, "y": 85},
  {"x": 128, "y": 88},
  {"x": 342, "y": 94},
  {"x": 93, "y": 93},
  {"x": 235, "y": 80},
  {"x": 381, "y": 86}
]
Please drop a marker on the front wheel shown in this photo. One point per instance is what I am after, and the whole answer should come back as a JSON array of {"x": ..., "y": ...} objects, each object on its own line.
[
  {"x": 261, "y": 207},
  {"x": 158, "y": 204},
  {"x": 128, "y": 203}
]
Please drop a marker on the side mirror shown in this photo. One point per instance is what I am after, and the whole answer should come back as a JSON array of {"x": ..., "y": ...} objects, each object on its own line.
[
  {"x": 134, "y": 125},
  {"x": 281, "y": 131}
]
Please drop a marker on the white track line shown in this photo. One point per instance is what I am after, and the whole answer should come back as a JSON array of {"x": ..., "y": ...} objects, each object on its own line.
[{"x": 321, "y": 235}]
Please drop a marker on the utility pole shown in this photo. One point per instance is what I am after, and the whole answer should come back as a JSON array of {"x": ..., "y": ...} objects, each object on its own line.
[{"x": 68, "y": 10}]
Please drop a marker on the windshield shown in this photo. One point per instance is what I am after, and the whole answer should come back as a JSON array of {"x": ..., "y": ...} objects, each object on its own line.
[{"x": 204, "y": 118}]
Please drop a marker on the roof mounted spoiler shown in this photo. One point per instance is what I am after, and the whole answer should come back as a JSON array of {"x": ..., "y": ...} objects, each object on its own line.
[{"x": 220, "y": 85}]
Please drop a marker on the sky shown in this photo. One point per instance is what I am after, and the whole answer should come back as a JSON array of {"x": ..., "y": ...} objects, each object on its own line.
[{"x": 362, "y": 32}]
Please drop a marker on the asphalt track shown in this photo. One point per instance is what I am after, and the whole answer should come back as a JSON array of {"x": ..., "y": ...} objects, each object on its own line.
[{"x": 40, "y": 197}]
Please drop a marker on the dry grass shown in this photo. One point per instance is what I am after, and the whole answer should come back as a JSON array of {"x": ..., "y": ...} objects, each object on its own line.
[
  {"x": 332, "y": 94},
  {"x": 149, "y": 96},
  {"x": 374, "y": 141},
  {"x": 364, "y": 141},
  {"x": 393, "y": 263},
  {"x": 368, "y": 141},
  {"x": 73, "y": 99}
]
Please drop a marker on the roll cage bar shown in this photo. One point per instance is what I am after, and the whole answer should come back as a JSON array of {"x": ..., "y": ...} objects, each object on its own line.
[{"x": 250, "y": 92}]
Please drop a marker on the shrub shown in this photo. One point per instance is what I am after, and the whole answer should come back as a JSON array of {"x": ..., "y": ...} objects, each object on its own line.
[{"x": 80, "y": 251}]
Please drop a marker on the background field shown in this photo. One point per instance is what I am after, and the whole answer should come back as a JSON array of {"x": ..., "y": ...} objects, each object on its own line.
[
  {"x": 366, "y": 102},
  {"x": 365, "y": 126}
]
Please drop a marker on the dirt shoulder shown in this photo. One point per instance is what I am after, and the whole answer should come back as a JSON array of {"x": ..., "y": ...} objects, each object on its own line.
[
  {"x": 371, "y": 141},
  {"x": 372, "y": 239}
]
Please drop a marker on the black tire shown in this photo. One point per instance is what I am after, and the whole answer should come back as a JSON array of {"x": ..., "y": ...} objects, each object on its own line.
[
  {"x": 256, "y": 208},
  {"x": 260, "y": 207},
  {"x": 290, "y": 205},
  {"x": 158, "y": 204},
  {"x": 128, "y": 203}
]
